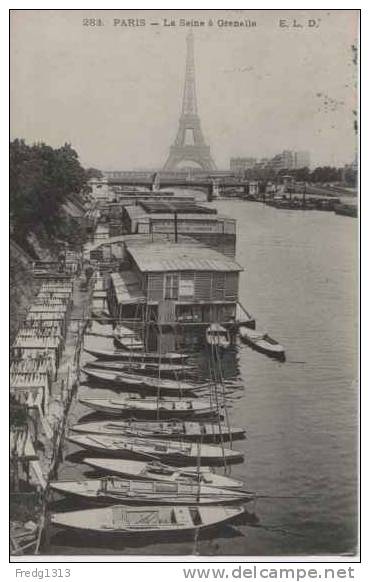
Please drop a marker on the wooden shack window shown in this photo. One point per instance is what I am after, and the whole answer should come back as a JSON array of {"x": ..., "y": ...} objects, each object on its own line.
[
  {"x": 171, "y": 287},
  {"x": 186, "y": 287}
]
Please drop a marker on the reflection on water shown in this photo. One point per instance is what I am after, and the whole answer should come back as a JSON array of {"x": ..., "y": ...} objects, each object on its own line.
[{"x": 300, "y": 416}]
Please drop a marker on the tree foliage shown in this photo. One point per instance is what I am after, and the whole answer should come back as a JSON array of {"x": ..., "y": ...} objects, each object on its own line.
[
  {"x": 40, "y": 179},
  {"x": 93, "y": 173}
]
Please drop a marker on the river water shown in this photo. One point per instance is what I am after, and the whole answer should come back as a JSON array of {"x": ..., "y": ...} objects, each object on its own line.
[{"x": 300, "y": 416}]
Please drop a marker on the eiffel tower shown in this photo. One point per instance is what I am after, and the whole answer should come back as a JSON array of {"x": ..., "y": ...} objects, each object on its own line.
[{"x": 193, "y": 150}]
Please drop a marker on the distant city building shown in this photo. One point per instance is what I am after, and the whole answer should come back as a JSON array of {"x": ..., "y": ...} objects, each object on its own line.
[
  {"x": 286, "y": 160},
  {"x": 239, "y": 165},
  {"x": 302, "y": 160},
  {"x": 290, "y": 160}
]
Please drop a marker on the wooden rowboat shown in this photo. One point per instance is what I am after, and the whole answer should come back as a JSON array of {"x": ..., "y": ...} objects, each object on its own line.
[
  {"x": 207, "y": 431},
  {"x": 154, "y": 470},
  {"x": 152, "y": 406},
  {"x": 122, "y": 519},
  {"x": 262, "y": 342},
  {"x": 122, "y": 355},
  {"x": 217, "y": 335},
  {"x": 150, "y": 368},
  {"x": 116, "y": 489},
  {"x": 177, "y": 452},
  {"x": 140, "y": 381}
]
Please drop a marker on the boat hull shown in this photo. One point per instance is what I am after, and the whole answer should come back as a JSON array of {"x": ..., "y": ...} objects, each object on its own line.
[
  {"x": 139, "y": 448},
  {"x": 277, "y": 352},
  {"x": 163, "y": 430},
  {"x": 140, "y": 383},
  {"x": 148, "y": 492},
  {"x": 104, "y": 520},
  {"x": 160, "y": 472},
  {"x": 159, "y": 411},
  {"x": 150, "y": 369},
  {"x": 137, "y": 356}
]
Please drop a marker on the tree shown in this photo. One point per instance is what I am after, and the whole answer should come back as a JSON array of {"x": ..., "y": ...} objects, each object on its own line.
[
  {"x": 93, "y": 173},
  {"x": 41, "y": 178}
]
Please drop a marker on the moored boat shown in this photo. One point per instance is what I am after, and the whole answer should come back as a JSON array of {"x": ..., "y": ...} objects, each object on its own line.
[
  {"x": 262, "y": 342},
  {"x": 137, "y": 380},
  {"x": 217, "y": 335},
  {"x": 162, "y": 429},
  {"x": 152, "y": 406},
  {"x": 121, "y": 519},
  {"x": 176, "y": 452},
  {"x": 154, "y": 470},
  {"x": 116, "y": 489},
  {"x": 137, "y": 356},
  {"x": 149, "y": 368},
  {"x": 346, "y": 209}
]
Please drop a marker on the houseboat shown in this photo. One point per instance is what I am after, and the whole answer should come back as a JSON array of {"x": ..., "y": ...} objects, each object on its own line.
[{"x": 170, "y": 284}]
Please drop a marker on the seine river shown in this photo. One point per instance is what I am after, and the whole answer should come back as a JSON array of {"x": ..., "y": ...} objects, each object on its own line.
[{"x": 299, "y": 281}]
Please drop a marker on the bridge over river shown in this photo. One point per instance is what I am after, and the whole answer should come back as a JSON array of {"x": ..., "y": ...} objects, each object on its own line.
[{"x": 212, "y": 183}]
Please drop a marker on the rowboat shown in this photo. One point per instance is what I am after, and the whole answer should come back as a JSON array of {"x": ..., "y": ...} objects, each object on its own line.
[
  {"x": 116, "y": 489},
  {"x": 122, "y": 519},
  {"x": 155, "y": 449},
  {"x": 217, "y": 335},
  {"x": 154, "y": 470},
  {"x": 262, "y": 342},
  {"x": 152, "y": 406},
  {"x": 146, "y": 382},
  {"x": 137, "y": 356},
  {"x": 127, "y": 338},
  {"x": 161, "y": 429},
  {"x": 151, "y": 368}
]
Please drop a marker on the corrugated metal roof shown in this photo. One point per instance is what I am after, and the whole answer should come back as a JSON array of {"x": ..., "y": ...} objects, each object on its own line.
[{"x": 176, "y": 257}]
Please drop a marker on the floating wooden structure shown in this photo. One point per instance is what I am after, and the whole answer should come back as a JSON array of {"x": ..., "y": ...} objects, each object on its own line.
[{"x": 169, "y": 284}]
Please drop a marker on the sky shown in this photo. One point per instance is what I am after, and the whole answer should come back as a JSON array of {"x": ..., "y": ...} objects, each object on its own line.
[{"x": 114, "y": 91}]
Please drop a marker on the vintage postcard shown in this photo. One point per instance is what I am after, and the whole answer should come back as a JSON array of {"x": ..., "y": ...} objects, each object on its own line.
[{"x": 184, "y": 318}]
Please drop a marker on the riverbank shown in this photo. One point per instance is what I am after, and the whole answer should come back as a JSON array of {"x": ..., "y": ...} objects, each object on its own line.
[{"x": 45, "y": 421}]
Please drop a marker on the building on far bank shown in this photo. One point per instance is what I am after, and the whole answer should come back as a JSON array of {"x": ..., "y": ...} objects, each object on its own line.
[
  {"x": 286, "y": 160},
  {"x": 290, "y": 160},
  {"x": 240, "y": 165},
  {"x": 302, "y": 160}
]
